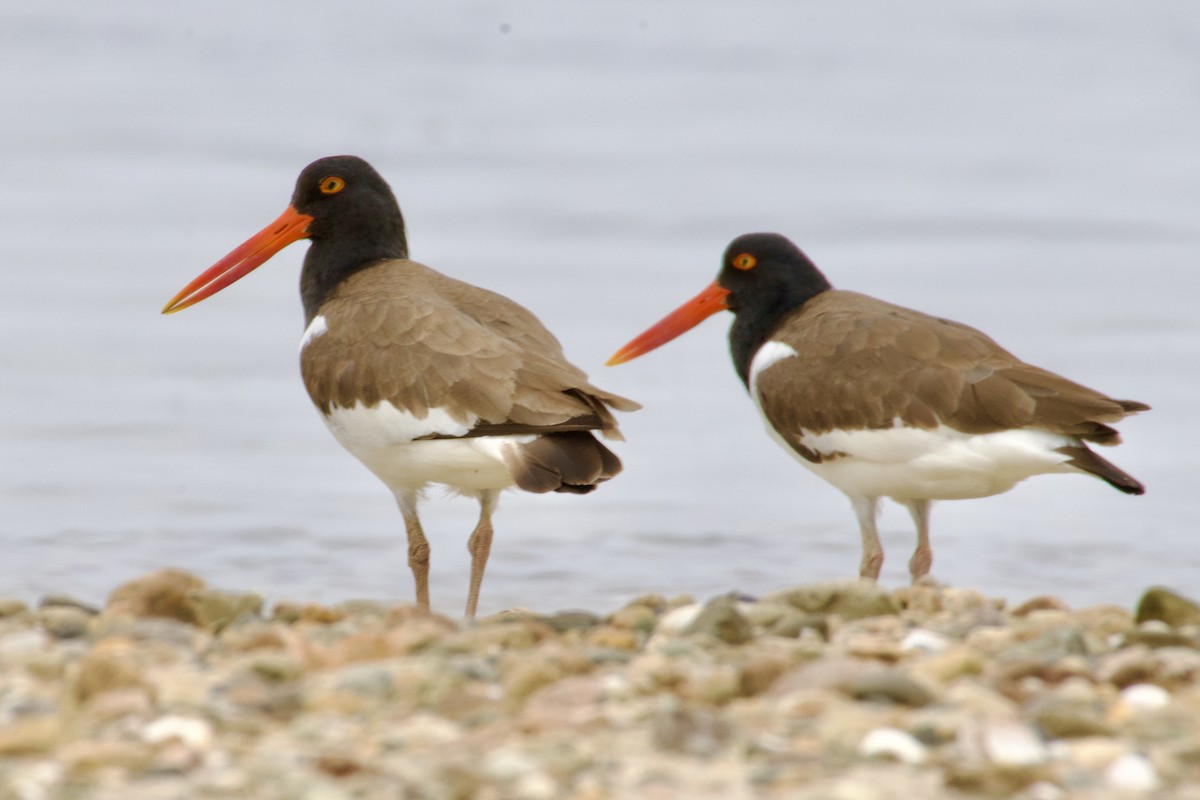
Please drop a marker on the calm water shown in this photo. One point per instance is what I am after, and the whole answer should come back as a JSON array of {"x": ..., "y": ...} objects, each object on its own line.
[{"x": 1031, "y": 170}]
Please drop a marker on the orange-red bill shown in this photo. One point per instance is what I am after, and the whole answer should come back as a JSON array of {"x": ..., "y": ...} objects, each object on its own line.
[
  {"x": 291, "y": 226},
  {"x": 678, "y": 322}
]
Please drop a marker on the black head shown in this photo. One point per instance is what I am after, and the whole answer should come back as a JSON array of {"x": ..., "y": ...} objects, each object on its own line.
[
  {"x": 355, "y": 223},
  {"x": 347, "y": 198},
  {"x": 767, "y": 277},
  {"x": 348, "y": 212},
  {"x": 765, "y": 272}
]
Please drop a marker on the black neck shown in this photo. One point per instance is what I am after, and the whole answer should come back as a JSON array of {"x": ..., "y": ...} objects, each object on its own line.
[
  {"x": 754, "y": 324},
  {"x": 330, "y": 260}
]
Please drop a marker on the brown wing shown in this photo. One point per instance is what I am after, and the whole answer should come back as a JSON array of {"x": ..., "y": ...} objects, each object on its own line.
[
  {"x": 864, "y": 363},
  {"x": 401, "y": 332}
]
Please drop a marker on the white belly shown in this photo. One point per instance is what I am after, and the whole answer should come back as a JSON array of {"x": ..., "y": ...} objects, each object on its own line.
[
  {"x": 938, "y": 464},
  {"x": 385, "y": 440}
]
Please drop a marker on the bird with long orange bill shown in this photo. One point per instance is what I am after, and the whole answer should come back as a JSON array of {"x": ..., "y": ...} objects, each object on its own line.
[
  {"x": 425, "y": 379},
  {"x": 883, "y": 401}
]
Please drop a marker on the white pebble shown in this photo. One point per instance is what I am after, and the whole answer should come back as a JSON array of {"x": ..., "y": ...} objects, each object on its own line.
[
  {"x": 1132, "y": 772},
  {"x": 1012, "y": 744},
  {"x": 1042, "y": 790},
  {"x": 22, "y": 644},
  {"x": 893, "y": 743},
  {"x": 1145, "y": 697},
  {"x": 921, "y": 639},
  {"x": 194, "y": 733},
  {"x": 677, "y": 619}
]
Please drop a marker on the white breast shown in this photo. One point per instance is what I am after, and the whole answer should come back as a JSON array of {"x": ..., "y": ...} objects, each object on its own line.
[{"x": 387, "y": 441}]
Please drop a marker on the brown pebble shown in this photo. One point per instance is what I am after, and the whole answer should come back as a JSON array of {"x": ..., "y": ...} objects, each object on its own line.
[
  {"x": 65, "y": 622},
  {"x": 29, "y": 735},
  {"x": 1043, "y": 602},
  {"x": 10, "y": 607},
  {"x": 111, "y": 664},
  {"x": 1160, "y": 603},
  {"x": 159, "y": 594}
]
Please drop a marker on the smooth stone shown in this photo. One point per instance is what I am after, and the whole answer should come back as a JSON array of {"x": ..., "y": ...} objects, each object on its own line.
[
  {"x": 888, "y": 684},
  {"x": 849, "y": 599},
  {"x": 30, "y": 735},
  {"x": 164, "y": 593},
  {"x": 214, "y": 609},
  {"x": 193, "y": 732},
  {"x": 10, "y": 607},
  {"x": 1145, "y": 697},
  {"x": 677, "y": 619},
  {"x": 893, "y": 743},
  {"x": 65, "y": 622},
  {"x": 21, "y": 645},
  {"x": 573, "y": 620},
  {"x": 700, "y": 732},
  {"x": 925, "y": 641},
  {"x": 67, "y": 601},
  {"x": 1067, "y": 720},
  {"x": 1132, "y": 772},
  {"x": 1161, "y": 603},
  {"x": 1013, "y": 744},
  {"x": 721, "y": 619}
]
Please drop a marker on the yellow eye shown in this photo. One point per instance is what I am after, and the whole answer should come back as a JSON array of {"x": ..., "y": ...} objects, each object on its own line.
[
  {"x": 744, "y": 261},
  {"x": 332, "y": 185}
]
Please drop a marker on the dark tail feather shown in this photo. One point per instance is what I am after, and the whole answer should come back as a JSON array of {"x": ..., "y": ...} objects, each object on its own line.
[
  {"x": 572, "y": 461},
  {"x": 1084, "y": 459}
]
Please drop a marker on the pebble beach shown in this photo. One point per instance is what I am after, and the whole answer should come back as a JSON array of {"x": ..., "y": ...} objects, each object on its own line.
[{"x": 843, "y": 690}]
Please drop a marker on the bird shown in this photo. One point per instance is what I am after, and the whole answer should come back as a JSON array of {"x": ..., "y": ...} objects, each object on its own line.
[
  {"x": 880, "y": 400},
  {"x": 427, "y": 380}
]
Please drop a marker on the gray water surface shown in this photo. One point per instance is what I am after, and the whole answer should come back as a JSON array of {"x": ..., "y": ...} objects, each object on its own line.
[{"x": 1030, "y": 169}]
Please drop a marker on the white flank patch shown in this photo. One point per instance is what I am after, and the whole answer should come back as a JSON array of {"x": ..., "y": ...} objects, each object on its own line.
[
  {"x": 314, "y": 329},
  {"x": 385, "y": 424},
  {"x": 934, "y": 464},
  {"x": 387, "y": 441},
  {"x": 771, "y": 353}
]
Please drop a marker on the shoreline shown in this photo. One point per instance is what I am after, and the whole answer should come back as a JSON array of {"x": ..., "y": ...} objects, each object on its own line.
[{"x": 833, "y": 690}]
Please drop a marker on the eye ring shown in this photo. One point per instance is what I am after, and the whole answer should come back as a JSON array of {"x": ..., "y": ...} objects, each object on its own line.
[
  {"x": 744, "y": 261},
  {"x": 331, "y": 185}
]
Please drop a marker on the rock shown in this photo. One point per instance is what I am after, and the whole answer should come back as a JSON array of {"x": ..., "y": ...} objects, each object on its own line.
[
  {"x": 213, "y": 609},
  {"x": 1013, "y": 744},
  {"x": 1061, "y": 719},
  {"x": 30, "y": 735},
  {"x": 677, "y": 619},
  {"x": 609, "y": 637},
  {"x": 111, "y": 664},
  {"x": 22, "y": 645},
  {"x": 10, "y": 607},
  {"x": 65, "y": 622},
  {"x": 895, "y": 744},
  {"x": 849, "y": 599},
  {"x": 160, "y": 594},
  {"x": 1144, "y": 697},
  {"x": 1132, "y": 772},
  {"x": 67, "y": 601},
  {"x": 193, "y": 732},
  {"x": 891, "y": 685},
  {"x": 1043, "y": 602},
  {"x": 700, "y": 732},
  {"x": 1160, "y": 603},
  {"x": 634, "y": 617},
  {"x": 573, "y": 620},
  {"x": 720, "y": 619},
  {"x": 922, "y": 640}
]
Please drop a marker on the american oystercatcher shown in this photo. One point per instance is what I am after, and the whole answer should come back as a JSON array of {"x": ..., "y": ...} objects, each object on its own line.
[
  {"x": 883, "y": 401},
  {"x": 423, "y": 378}
]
